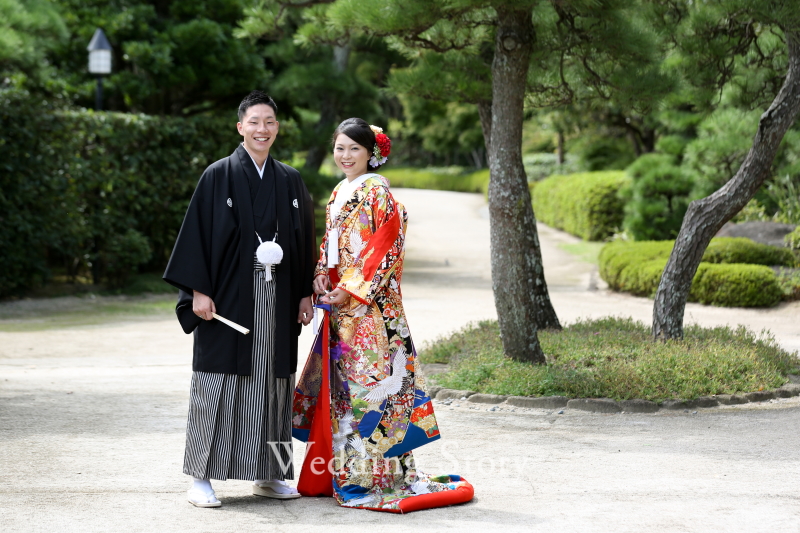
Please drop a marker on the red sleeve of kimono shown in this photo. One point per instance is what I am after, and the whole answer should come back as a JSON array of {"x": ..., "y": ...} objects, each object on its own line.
[{"x": 382, "y": 252}]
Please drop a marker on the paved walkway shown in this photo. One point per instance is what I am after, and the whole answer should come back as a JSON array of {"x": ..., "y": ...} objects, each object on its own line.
[{"x": 92, "y": 421}]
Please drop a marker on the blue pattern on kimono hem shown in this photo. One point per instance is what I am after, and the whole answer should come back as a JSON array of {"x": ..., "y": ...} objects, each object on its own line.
[{"x": 415, "y": 437}]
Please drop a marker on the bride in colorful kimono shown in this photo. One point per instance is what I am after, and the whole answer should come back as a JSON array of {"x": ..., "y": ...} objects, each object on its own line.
[{"x": 363, "y": 368}]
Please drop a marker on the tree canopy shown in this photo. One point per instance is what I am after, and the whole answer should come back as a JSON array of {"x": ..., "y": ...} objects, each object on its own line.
[{"x": 684, "y": 95}]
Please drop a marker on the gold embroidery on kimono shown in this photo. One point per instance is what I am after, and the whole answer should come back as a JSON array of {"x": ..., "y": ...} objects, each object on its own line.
[{"x": 380, "y": 408}]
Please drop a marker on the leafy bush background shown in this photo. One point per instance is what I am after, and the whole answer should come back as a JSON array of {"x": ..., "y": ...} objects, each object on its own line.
[
  {"x": 656, "y": 197},
  {"x": 733, "y": 271},
  {"x": 585, "y": 204},
  {"x": 439, "y": 179},
  {"x": 74, "y": 182},
  {"x": 539, "y": 166}
]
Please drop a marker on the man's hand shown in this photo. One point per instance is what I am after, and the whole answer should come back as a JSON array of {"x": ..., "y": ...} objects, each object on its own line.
[
  {"x": 321, "y": 284},
  {"x": 203, "y": 306},
  {"x": 336, "y": 297},
  {"x": 306, "y": 311}
]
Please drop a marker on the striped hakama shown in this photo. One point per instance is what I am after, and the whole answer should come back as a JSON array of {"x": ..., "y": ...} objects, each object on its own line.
[{"x": 239, "y": 427}]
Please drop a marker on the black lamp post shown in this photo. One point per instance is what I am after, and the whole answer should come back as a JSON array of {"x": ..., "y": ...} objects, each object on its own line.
[{"x": 99, "y": 63}]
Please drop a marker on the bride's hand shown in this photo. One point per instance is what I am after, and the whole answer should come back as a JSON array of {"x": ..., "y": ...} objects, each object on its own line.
[
  {"x": 336, "y": 297},
  {"x": 321, "y": 284}
]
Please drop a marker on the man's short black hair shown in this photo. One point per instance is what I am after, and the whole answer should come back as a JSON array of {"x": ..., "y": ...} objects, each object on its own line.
[{"x": 256, "y": 98}]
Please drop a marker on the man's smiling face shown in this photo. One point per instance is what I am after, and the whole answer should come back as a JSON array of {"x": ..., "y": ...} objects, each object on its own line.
[{"x": 259, "y": 127}]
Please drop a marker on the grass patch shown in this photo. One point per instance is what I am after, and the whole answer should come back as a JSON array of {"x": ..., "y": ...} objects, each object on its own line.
[
  {"x": 439, "y": 179},
  {"x": 587, "y": 251},
  {"x": 615, "y": 358},
  {"x": 88, "y": 310},
  {"x": 137, "y": 285}
]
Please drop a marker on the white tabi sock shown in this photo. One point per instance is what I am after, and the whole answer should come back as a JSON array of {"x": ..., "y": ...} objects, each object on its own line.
[
  {"x": 202, "y": 485},
  {"x": 278, "y": 485}
]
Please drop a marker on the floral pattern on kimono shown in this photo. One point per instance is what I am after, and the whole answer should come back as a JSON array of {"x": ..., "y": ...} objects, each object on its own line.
[{"x": 380, "y": 407}]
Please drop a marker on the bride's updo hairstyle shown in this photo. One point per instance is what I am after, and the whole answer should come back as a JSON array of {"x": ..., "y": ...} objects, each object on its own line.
[{"x": 358, "y": 130}]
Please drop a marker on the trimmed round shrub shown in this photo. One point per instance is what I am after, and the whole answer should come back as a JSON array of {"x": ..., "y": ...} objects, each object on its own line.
[
  {"x": 621, "y": 260},
  {"x": 744, "y": 250},
  {"x": 636, "y": 267},
  {"x": 735, "y": 285},
  {"x": 586, "y": 204},
  {"x": 656, "y": 198}
]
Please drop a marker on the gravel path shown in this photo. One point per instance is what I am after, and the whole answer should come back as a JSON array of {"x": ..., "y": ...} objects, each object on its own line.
[{"x": 92, "y": 420}]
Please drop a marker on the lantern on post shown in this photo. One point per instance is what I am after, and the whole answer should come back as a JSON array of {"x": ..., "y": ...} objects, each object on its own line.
[{"x": 99, "y": 63}]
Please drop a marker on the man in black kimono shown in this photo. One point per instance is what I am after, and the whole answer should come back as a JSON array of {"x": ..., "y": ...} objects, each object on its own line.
[{"x": 239, "y": 423}]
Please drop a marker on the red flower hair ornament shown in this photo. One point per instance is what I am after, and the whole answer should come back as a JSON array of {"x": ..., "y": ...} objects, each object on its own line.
[{"x": 382, "y": 148}]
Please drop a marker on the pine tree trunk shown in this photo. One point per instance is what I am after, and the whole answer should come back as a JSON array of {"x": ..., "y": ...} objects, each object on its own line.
[
  {"x": 705, "y": 217},
  {"x": 520, "y": 291}
]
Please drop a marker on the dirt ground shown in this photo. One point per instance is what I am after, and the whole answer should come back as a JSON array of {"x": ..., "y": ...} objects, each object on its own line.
[{"x": 94, "y": 395}]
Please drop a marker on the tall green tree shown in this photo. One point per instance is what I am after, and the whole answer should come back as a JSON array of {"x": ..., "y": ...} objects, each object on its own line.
[
  {"x": 170, "y": 58},
  {"x": 324, "y": 74},
  {"x": 500, "y": 55},
  {"x": 441, "y": 133},
  {"x": 719, "y": 44},
  {"x": 29, "y": 29}
]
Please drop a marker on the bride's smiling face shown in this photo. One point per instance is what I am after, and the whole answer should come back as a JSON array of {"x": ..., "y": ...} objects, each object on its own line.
[{"x": 350, "y": 157}]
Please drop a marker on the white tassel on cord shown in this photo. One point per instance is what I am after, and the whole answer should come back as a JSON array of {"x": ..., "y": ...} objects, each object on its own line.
[
  {"x": 333, "y": 247},
  {"x": 269, "y": 254}
]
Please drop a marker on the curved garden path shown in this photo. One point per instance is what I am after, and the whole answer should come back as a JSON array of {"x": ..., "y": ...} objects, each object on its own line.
[{"x": 93, "y": 410}]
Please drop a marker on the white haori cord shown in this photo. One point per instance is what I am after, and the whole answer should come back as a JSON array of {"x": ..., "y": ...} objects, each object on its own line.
[
  {"x": 333, "y": 250},
  {"x": 269, "y": 254},
  {"x": 343, "y": 194}
]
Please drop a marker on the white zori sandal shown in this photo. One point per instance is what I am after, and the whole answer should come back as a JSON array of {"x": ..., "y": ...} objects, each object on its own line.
[
  {"x": 199, "y": 498},
  {"x": 274, "y": 489}
]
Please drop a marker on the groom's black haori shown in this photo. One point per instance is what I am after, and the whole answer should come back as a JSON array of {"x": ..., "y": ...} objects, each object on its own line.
[
  {"x": 214, "y": 256},
  {"x": 240, "y": 399}
]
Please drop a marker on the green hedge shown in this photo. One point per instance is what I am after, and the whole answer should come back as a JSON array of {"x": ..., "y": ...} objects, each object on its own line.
[
  {"x": 32, "y": 189},
  {"x": 444, "y": 179},
  {"x": 743, "y": 250},
  {"x": 79, "y": 188},
  {"x": 723, "y": 277},
  {"x": 735, "y": 285},
  {"x": 586, "y": 204},
  {"x": 137, "y": 171}
]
